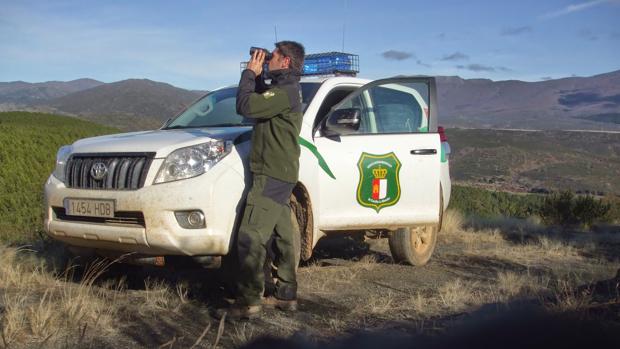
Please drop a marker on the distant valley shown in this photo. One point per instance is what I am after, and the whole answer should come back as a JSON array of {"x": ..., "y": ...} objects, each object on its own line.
[{"x": 586, "y": 103}]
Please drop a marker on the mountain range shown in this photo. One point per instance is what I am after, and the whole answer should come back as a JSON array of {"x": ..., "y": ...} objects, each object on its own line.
[{"x": 589, "y": 103}]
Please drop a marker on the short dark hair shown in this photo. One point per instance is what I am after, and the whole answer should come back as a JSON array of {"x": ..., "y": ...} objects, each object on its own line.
[{"x": 295, "y": 51}]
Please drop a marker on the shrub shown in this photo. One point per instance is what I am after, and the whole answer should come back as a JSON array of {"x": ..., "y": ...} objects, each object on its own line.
[
  {"x": 487, "y": 203},
  {"x": 565, "y": 209}
]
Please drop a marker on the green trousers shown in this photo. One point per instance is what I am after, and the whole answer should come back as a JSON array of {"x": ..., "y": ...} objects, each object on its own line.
[{"x": 267, "y": 215}]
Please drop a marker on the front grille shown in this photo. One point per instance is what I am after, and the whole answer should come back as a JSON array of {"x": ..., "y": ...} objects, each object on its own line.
[
  {"x": 124, "y": 171},
  {"x": 120, "y": 217}
]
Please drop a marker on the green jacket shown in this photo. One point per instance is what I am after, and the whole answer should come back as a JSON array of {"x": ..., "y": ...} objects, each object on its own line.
[{"x": 277, "y": 110}]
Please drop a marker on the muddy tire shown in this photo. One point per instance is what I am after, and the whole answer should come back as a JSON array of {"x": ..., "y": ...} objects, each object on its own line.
[
  {"x": 296, "y": 239},
  {"x": 415, "y": 245}
]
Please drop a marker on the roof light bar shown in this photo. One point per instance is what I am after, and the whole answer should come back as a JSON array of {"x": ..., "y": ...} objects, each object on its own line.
[
  {"x": 338, "y": 63},
  {"x": 328, "y": 63}
]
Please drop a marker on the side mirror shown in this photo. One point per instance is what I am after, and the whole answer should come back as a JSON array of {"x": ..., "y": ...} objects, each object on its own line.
[{"x": 342, "y": 122}]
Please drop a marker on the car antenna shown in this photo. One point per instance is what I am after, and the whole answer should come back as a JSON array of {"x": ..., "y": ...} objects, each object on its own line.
[
  {"x": 344, "y": 23},
  {"x": 275, "y": 31}
]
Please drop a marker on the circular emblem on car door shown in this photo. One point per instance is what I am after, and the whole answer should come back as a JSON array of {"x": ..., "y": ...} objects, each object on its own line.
[{"x": 98, "y": 170}]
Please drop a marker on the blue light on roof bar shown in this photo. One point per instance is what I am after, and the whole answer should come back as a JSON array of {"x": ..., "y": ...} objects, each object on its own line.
[
  {"x": 328, "y": 63},
  {"x": 331, "y": 63}
]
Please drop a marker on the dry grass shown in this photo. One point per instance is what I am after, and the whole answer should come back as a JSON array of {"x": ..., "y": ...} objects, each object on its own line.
[
  {"x": 157, "y": 295},
  {"x": 452, "y": 222},
  {"x": 376, "y": 304},
  {"x": 519, "y": 241},
  {"x": 42, "y": 308},
  {"x": 242, "y": 334},
  {"x": 511, "y": 286},
  {"x": 320, "y": 279},
  {"x": 568, "y": 298},
  {"x": 456, "y": 295}
]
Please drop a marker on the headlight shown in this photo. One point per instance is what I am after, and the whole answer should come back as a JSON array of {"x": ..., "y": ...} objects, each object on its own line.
[
  {"x": 192, "y": 161},
  {"x": 61, "y": 161}
]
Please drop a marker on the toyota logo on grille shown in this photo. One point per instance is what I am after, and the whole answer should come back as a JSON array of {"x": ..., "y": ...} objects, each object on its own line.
[{"x": 98, "y": 171}]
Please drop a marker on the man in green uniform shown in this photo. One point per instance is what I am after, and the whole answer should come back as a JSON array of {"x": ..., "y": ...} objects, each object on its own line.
[{"x": 274, "y": 163}]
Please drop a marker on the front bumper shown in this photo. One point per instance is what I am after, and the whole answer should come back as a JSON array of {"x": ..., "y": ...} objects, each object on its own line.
[{"x": 216, "y": 193}]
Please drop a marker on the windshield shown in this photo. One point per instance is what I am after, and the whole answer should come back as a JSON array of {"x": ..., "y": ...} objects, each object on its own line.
[{"x": 218, "y": 109}]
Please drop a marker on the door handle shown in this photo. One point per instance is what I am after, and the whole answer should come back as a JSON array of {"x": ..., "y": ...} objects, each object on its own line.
[{"x": 423, "y": 151}]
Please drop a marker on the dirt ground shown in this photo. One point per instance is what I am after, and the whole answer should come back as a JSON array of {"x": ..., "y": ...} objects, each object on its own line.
[{"x": 351, "y": 287}]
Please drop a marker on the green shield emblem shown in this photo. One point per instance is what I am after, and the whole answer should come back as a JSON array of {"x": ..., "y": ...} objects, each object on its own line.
[{"x": 379, "y": 184}]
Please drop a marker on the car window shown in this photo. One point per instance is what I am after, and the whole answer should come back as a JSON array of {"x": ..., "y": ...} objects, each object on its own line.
[
  {"x": 391, "y": 108},
  {"x": 334, "y": 97},
  {"x": 395, "y": 111}
]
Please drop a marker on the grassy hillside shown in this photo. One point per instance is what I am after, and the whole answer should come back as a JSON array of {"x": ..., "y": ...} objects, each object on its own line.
[
  {"x": 526, "y": 160},
  {"x": 493, "y": 159},
  {"x": 28, "y": 145}
]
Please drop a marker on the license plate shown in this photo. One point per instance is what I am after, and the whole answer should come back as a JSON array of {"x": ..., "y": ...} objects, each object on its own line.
[{"x": 89, "y": 207}]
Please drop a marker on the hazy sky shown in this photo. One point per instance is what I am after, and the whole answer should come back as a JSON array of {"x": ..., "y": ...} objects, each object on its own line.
[{"x": 199, "y": 44}]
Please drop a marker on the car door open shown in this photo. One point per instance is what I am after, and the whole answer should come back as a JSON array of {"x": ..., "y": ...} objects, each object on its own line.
[{"x": 382, "y": 145}]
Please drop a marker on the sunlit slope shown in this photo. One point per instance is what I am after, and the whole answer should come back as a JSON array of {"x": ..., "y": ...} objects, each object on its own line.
[
  {"x": 531, "y": 161},
  {"x": 28, "y": 145}
]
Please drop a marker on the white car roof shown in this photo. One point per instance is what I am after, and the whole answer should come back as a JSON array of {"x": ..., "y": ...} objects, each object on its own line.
[
  {"x": 335, "y": 79},
  {"x": 321, "y": 79}
]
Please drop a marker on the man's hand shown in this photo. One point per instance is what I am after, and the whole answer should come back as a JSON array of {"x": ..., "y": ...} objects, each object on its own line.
[{"x": 256, "y": 62}]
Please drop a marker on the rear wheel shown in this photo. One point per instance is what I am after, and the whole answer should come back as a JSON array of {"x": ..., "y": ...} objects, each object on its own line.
[{"x": 415, "y": 245}]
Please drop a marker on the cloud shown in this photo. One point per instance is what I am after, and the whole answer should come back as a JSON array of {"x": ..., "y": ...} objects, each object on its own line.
[
  {"x": 397, "y": 55},
  {"x": 476, "y": 67},
  {"x": 483, "y": 68},
  {"x": 441, "y": 36},
  {"x": 423, "y": 64},
  {"x": 456, "y": 56},
  {"x": 516, "y": 31},
  {"x": 587, "y": 34},
  {"x": 546, "y": 78},
  {"x": 575, "y": 8}
]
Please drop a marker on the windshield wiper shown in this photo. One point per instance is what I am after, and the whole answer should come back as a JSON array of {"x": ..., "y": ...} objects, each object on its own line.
[
  {"x": 174, "y": 127},
  {"x": 229, "y": 125}
]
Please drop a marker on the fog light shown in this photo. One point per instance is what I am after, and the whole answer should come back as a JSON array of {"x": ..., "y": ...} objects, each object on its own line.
[
  {"x": 196, "y": 219},
  {"x": 190, "y": 219}
]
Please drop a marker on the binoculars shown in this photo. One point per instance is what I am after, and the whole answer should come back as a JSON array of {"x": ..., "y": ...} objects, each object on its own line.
[{"x": 268, "y": 54}]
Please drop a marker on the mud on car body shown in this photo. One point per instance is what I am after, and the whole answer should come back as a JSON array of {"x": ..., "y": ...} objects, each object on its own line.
[{"x": 372, "y": 158}]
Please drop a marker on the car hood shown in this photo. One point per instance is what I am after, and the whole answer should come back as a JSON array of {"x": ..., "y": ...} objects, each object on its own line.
[{"x": 161, "y": 142}]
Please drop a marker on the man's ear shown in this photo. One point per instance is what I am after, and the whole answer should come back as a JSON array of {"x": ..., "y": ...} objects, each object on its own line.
[{"x": 287, "y": 62}]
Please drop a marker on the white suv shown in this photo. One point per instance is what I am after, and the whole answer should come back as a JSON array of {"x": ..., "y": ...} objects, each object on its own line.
[{"x": 373, "y": 158}]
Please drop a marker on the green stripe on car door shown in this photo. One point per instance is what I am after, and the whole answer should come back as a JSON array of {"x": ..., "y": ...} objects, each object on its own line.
[{"x": 318, "y": 155}]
